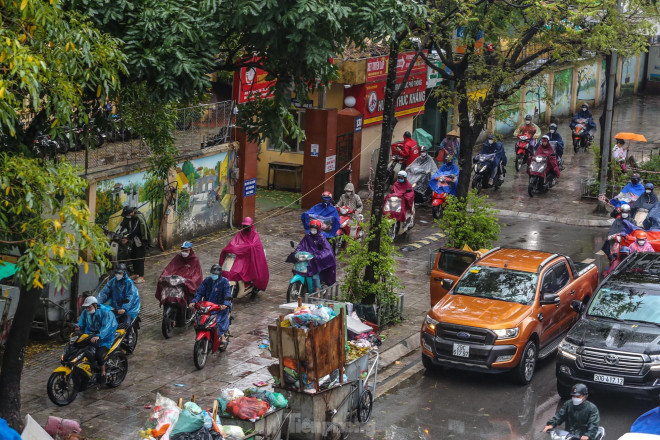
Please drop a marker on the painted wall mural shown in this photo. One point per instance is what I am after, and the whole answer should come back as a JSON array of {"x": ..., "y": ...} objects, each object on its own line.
[
  {"x": 561, "y": 93},
  {"x": 507, "y": 115},
  {"x": 628, "y": 75},
  {"x": 535, "y": 99},
  {"x": 586, "y": 82}
]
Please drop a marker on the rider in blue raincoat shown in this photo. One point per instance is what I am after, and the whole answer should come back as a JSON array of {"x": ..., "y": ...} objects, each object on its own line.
[
  {"x": 634, "y": 188},
  {"x": 449, "y": 168},
  {"x": 117, "y": 291},
  {"x": 216, "y": 289},
  {"x": 493, "y": 146},
  {"x": 326, "y": 213},
  {"x": 98, "y": 321}
]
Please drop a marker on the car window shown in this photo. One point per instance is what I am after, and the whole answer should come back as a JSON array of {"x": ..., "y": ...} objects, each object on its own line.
[
  {"x": 454, "y": 263},
  {"x": 548, "y": 285},
  {"x": 562, "y": 277}
]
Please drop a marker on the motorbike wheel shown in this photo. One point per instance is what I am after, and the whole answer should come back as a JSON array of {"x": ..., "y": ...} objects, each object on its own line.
[
  {"x": 519, "y": 161},
  {"x": 532, "y": 186},
  {"x": 296, "y": 290},
  {"x": 234, "y": 290},
  {"x": 585, "y": 143},
  {"x": 61, "y": 389},
  {"x": 131, "y": 339},
  {"x": 392, "y": 232},
  {"x": 116, "y": 368},
  {"x": 201, "y": 352},
  {"x": 438, "y": 211},
  {"x": 476, "y": 183},
  {"x": 337, "y": 244},
  {"x": 168, "y": 324},
  {"x": 576, "y": 146}
]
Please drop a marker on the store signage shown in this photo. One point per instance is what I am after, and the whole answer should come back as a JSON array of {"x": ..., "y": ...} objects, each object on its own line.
[
  {"x": 410, "y": 102},
  {"x": 250, "y": 83}
]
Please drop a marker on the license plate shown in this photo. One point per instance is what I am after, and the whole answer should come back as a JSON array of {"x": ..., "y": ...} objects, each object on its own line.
[
  {"x": 461, "y": 350},
  {"x": 608, "y": 379}
]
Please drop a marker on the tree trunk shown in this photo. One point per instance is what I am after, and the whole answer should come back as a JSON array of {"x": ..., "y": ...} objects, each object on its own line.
[
  {"x": 380, "y": 178},
  {"x": 601, "y": 119},
  {"x": 14, "y": 356},
  {"x": 467, "y": 139}
]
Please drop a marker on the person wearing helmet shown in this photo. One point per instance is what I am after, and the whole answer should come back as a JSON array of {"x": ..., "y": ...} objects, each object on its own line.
[
  {"x": 450, "y": 146},
  {"x": 585, "y": 114},
  {"x": 581, "y": 416},
  {"x": 449, "y": 170},
  {"x": 122, "y": 296},
  {"x": 250, "y": 265},
  {"x": 620, "y": 153},
  {"x": 403, "y": 188},
  {"x": 326, "y": 213},
  {"x": 98, "y": 321},
  {"x": 493, "y": 146},
  {"x": 216, "y": 289},
  {"x": 323, "y": 267},
  {"x": 641, "y": 243},
  {"x": 421, "y": 170},
  {"x": 186, "y": 265},
  {"x": 621, "y": 214},
  {"x": 546, "y": 150},
  {"x": 624, "y": 251},
  {"x": 555, "y": 138},
  {"x": 137, "y": 234},
  {"x": 529, "y": 129},
  {"x": 632, "y": 190},
  {"x": 351, "y": 199},
  {"x": 644, "y": 204},
  {"x": 410, "y": 148}
]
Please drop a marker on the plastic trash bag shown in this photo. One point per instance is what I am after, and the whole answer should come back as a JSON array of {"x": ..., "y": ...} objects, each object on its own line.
[
  {"x": 164, "y": 416},
  {"x": 231, "y": 432},
  {"x": 223, "y": 405},
  {"x": 230, "y": 394},
  {"x": 277, "y": 400},
  {"x": 247, "y": 408},
  {"x": 190, "y": 419},
  {"x": 200, "y": 434}
]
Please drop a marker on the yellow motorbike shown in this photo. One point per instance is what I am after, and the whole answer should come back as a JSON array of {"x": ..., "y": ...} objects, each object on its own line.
[{"x": 79, "y": 370}]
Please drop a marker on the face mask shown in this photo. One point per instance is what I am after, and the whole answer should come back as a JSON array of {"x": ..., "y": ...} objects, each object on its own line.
[
  {"x": 313, "y": 231},
  {"x": 648, "y": 191},
  {"x": 185, "y": 254},
  {"x": 641, "y": 242},
  {"x": 490, "y": 141},
  {"x": 634, "y": 181},
  {"x": 577, "y": 401},
  {"x": 92, "y": 311},
  {"x": 349, "y": 193},
  {"x": 401, "y": 180},
  {"x": 552, "y": 131},
  {"x": 528, "y": 122},
  {"x": 624, "y": 215},
  {"x": 119, "y": 276},
  {"x": 214, "y": 276},
  {"x": 584, "y": 109},
  {"x": 423, "y": 154}
]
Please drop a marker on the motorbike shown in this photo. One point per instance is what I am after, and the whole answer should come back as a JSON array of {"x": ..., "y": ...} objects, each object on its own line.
[
  {"x": 581, "y": 136},
  {"x": 558, "y": 434},
  {"x": 523, "y": 150},
  {"x": 397, "y": 163},
  {"x": 79, "y": 371},
  {"x": 129, "y": 342},
  {"x": 439, "y": 199},
  {"x": 395, "y": 204},
  {"x": 346, "y": 228},
  {"x": 206, "y": 334},
  {"x": 174, "y": 301},
  {"x": 420, "y": 182},
  {"x": 540, "y": 177},
  {"x": 119, "y": 252},
  {"x": 239, "y": 288},
  {"x": 45, "y": 147},
  {"x": 483, "y": 164},
  {"x": 300, "y": 283}
]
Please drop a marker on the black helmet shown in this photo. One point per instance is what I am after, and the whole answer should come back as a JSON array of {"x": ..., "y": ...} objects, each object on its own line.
[
  {"x": 491, "y": 136},
  {"x": 424, "y": 149},
  {"x": 407, "y": 134},
  {"x": 122, "y": 268},
  {"x": 553, "y": 126},
  {"x": 584, "y": 104},
  {"x": 127, "y": 210},
  {"x": 216, "y": 269},
  {"x": 579, "y": 389},
  {"x": 528, "y": 118}
]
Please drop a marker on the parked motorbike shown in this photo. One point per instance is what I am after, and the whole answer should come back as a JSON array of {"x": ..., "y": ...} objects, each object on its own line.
[
  {"x": 483, "y": 164},
  {"x": 397, "y": 162},
  {"x": 523, "y": 151},
  {"x": 239, "y": 288},
  {"x": 300, "y": 283},
  {"x": 176, "y": 312},
  {"x": 79, "y": 370},
  {"x": 45, "y": 147},
  {"x": 581, "y": 136},
  {"x": 558, "y": 434},
  {"x": 206, "y": 333},
  {"x": 347, "y": 227},
  {"x": 394, "y": 204},
  {"x": 540, "y": 177},
  {"x": 439, "y": 200}
]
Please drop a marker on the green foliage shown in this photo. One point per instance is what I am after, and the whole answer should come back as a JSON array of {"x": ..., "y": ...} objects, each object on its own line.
[
  {"x": 357, "y": 256},
  {"x": 183, "y": 204},
  {"x": 106, "y": 203},
  {"x": 153, "y": 190},
  {"x": 469, "y": 221}
]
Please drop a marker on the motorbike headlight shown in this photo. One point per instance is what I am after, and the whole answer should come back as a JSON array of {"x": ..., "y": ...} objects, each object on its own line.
[
  {"x": 430, "y": 323},
  {"x": 506, "y": 333},
  {"x": 343, "y": 211},
  {"x": 538, "y": 159}
]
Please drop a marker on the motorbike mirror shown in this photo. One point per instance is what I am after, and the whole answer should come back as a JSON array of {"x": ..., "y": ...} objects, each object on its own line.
[{"x": 292, "y": 244}]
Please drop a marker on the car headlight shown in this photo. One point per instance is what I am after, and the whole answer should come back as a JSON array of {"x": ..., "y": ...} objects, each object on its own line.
[
  {"x": 430, "y": 323},
  {"x": 655, "y": 362},
  {"x": 568, "y": 350},
  {"x": 506, "y": 333}
]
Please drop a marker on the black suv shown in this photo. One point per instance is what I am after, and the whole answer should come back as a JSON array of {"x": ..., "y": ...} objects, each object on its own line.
[{"x": 615, "y": 345}]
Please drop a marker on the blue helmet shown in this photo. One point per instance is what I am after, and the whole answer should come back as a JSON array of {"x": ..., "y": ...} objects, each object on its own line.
[
  {"x": 649, "y": 186},
  {"x": 186, "y": 245}
]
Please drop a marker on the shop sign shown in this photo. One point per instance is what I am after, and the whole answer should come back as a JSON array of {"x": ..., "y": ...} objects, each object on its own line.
[
  {"x": 250, "y": 187},
  {"x": 330, "y": 163},
  {"x": 410, "y": 102},
  {"x": 250, "y": 83},
  {"x": 358, "y": 124},
  {"x": 314, "y": 150},
  {"x": 377, "y": 69}
]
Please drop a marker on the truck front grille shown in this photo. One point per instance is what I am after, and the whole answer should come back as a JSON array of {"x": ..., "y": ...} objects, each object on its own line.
[
  {"x": 610, "y": 361},
  {"x": 465, "y": 334}
]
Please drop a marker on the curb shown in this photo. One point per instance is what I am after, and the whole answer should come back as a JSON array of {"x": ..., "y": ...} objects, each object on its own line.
[
  {"x": 603, "y": 223},
  {"x": 402, "y": 349}
]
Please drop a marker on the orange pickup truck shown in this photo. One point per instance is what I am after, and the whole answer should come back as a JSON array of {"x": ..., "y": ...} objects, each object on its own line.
[{"x": 506, "y": 310}]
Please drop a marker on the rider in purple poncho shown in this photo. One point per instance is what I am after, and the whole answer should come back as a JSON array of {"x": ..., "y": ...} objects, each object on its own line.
[{"x": 323, "y": 266}]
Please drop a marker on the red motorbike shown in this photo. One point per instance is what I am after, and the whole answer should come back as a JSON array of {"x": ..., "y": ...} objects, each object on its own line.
[
  {"x": 581, "y": 137},
  {"x": 541, "y": 178},
  {"x": 206, "y": 333},
  {"x": 439, "y": 199},
  {"x": 174, "y": 300},
  {"x": 523, "y": 150},
  {"x": 345, "y": 226}
]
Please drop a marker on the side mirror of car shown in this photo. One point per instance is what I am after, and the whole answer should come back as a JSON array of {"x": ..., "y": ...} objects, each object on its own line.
[
  {"x": 447, "y": 283},
  {"x": 577, "y": 306},
  {"x": 549, "y": 298}
]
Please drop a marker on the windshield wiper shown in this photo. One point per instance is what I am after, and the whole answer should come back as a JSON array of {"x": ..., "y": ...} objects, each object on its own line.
[
  {"x": 643, "y": 322},
  {"x": 612, "y": 318}
]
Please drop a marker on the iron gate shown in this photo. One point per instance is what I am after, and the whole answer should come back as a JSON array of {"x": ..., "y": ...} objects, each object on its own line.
[{"x": 344, "y": 165}]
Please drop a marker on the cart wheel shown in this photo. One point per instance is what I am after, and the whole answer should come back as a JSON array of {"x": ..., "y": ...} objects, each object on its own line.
[
  {"x": 365, "y": 406},
  {"x": 333, "y": 432},
  {"x": 66, "y": 326}
]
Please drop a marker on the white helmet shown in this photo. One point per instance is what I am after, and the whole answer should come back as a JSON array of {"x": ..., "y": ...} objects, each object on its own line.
[
  {"x": 625, "y": 208},
  {"x": 89, "y": 301},
  {"x": 403, "y": 174}
]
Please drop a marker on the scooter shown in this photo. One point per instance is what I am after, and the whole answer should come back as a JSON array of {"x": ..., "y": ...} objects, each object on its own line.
[
  {"x": 397, "y": 163},
  {"x": 581, "y": 137},
  {"x": 558, "y": 434},
  {"x": 79, "y": 371},
  {"x": 174, "y": 301},
  {"x": 345, "y": 227},
  {"x": 301, "y": 283},
  {"x": 523, "y": 150},
  {"x": 483, "y": 164},
  {"x": 239, "y": 288},
  {"x": 394, "y": 204},
  {"x": 439, "y": 200},
  {"x": 420, "y": 183},
  {"x": 540, "y": 178},
  {"x": 206, "y": 335}
]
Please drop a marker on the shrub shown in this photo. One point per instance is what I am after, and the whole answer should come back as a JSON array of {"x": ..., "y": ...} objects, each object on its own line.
[{"x": 470, "y": 221}]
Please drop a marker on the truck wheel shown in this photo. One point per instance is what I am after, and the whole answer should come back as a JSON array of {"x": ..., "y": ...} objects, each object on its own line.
[
  {"x": 563, "y": 391},
  {"x": 428, "y": 363},
  {"x": 524, "y": 372}
]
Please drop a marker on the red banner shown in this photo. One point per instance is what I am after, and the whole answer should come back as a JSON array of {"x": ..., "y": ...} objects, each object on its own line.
[
  {"x": 250, "y": 83},
  {"x": 377, "y": 67},
  {"x": 403, "y": 61},
  {"x": 410, "y": 102}
]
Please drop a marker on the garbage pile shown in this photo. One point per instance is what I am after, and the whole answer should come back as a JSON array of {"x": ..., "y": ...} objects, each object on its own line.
[{"x": 305, "y": 316}]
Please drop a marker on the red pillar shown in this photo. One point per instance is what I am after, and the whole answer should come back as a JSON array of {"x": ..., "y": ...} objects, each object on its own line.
[
  {"x": 247, "y": 172},
  {"x": 319, "y": 168},
  {"x": 350, "y": 120}
]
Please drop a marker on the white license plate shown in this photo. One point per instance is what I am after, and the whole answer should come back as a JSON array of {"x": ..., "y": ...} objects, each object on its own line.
[
  {"x": 608, "y": 379},
  {"x": 461, "y": 350}
]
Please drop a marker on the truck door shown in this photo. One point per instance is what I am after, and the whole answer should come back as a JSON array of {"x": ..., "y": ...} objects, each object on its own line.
[
  {"x": 566, "y": 291},
  {"x": 555, "y": 281},
  {"x": 449, "y": 264}
]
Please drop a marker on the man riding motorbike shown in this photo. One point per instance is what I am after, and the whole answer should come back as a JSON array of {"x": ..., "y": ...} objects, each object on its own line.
[
  {"x": 529, "y": 129},
  {"x": 215, "y": 288},
  {"x": 554, "y": 136},
  {"x": 100, "y": 324},
  {"x": 450, "y": 146},
  {"x": 403, "y": 189},
  {"x": 546, "y": 150},
  {"x": 326, "y": 213},
  {"x": 410, "y": 149},
  {"x": 250, "y": 264},
  {"x": 351, "y": 199},
  {"x": 186, "y": 265},
  {"x": 322, "y": 268},
  {"x": 584, "y": 113},
  {"x": 449, "y": 168},
  {"x": 644, "y": 203},
  {"x": 581, "y": 416},
  {"x": 420, "y": 171},
  {"x": 633, "y": 190},
  {"x": 621, "y": 214},
  {"x": 123, "y": 296},
  {"x": 491, "y": 146}
]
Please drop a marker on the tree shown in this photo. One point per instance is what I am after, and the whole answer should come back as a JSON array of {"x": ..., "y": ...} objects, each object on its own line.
[{"x": 529, "y": 37}]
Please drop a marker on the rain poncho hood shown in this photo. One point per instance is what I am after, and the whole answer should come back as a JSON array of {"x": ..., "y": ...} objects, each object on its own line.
[
  {"x": 645, "y": 201},
  {"x": 628, "y": 194},
  {"x": 188, "y": 268},
  {"x": 118, "y": 291},
  {"x": 323, "y": 263},
  {"x": 102, "y": 324},
  {"x": 445, "y": 170},
  {"x": 421, "y": 169},
  {"x": 250, "y": 263},
  {"x": 408, "y": 198},
  {"x": 328, "y": 216},
  {"x": 353, "y": 201}
]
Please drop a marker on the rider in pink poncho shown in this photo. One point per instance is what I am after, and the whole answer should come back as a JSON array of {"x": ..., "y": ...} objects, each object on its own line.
[{"x": 250, "y": 264}]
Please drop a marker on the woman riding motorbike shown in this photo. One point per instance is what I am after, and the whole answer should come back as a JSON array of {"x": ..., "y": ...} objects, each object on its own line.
[
  {"x": 449, "y": 168},
  {"x": 250, "y": 264},
  {"x": 186, "y": 265},
  {"x": 323, "y": 267}
]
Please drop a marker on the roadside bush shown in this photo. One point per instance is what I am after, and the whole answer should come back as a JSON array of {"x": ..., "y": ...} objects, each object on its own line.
[{"x": 470, "y": 221}]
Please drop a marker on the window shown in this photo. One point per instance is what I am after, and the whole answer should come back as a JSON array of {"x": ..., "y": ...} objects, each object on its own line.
[
  {"x": 555, "y": 279},
  {"x": 294, "y": 144},
  {"x": 454, "y": 263}
]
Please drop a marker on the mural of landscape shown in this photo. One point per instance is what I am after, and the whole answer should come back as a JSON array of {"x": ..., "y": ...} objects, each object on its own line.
[
  {"x": 506, "y": 115},
  {"x": 587, "y": 83},
  {"x": 535, "y": 99},
  {"x": 628, "y": 75},
  {"x": 561, "y": 93}
]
